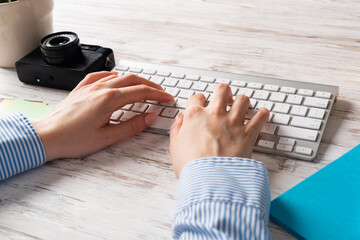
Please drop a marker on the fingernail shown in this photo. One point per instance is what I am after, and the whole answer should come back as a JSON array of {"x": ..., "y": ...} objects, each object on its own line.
[
  {"x": 170, "y": 97},
  {"x": 150, "y": 118},
  {"x": 178, "y": 116}
]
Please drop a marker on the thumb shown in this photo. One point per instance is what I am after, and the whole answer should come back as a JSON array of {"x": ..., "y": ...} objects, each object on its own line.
[{"x": 132, "y": 126}]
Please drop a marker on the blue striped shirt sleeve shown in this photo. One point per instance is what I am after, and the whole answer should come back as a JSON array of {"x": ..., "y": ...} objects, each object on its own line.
[
  {"x": 20, "y": 146},
  {"x": 223, "y": 198}
]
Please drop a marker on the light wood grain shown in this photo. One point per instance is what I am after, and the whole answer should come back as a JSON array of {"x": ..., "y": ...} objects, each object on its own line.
[{"x": 128, "y": 191}]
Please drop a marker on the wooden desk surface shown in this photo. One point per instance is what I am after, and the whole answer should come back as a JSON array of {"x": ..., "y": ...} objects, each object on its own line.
[{"x": 128, "y": 191}]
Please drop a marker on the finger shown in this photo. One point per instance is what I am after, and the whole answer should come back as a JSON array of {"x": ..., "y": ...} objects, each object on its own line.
[
  {"x": 131, "y": 80},
  {"x": 93, "y": 77},
  {"x": 175, "y": 128},
  {"x": 258, "y": 121},
  {"x": 221, "y": 97},
  {"x": 130, "y": 127},
  {"x": 196, "y": 100},
  {"x": 239, "y": 108},
  {"x": 106, "y": 79},
  {"x": 139, "y": 93}
]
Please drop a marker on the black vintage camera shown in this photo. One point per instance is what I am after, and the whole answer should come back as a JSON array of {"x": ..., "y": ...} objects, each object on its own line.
[{"x": 62, "y": 62}]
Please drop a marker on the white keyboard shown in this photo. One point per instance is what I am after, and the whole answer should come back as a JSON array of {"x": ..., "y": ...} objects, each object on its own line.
[{"x": 298, "y": 110}]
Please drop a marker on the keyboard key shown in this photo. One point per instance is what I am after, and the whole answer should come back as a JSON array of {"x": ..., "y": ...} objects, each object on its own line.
[
  {"x": 185, "y": 93},
  {"x": 128, "y": 106},
  {"x": 305, "y": 92},
  {"x": 185, "y": 84},
  {"x": 147, "y": 77},
  {"x": 140, "y": 107},
  {"x": 294, "y": 99},
  {"x": 277, "y": 97},
  {"x": 155, "y": 108},
  {"x": 157, "y": 80},
  {"x": 211, "y": 88},
  {"x": 266, "y": 144},
  {"x": 207, "y": 79},
  {"x": 268, "y": 128},
  {"x": 287, "y": 141},
  {"x": 245, "y": 91},
  {"x": 192, "y": 77},
  {"x": 306, "y": 122},
  {"x": 169, "y": 112},
  {"x": 270, "y": 116},
  {"x": 270, "y": 87},
  {"x": 316, "y": 102},
  {"x": 127, "y": 115},
  {"x": 222, "y": 80},
  {"x": 233, "y": 90},
  {"x": 163, "y": 73},
  {"x": 299, "y": 110},
  {"x": 122, "y": 68},
  {"x": 254, "y": 85},
  {"x": 284, "y": 148},
  {"x": 261, "y": 94},
  {"x": 135, "y": 70},
  {"x": 288, "y": 90},
  {"x": 281, "y": 108},
  {"x": 181, "y": 103},
  {"x": 238, "y": 83},
  {"x": 116, "y": 115},
  {"x": 252, "y": 103},
  {"x": 163, "y": 123},
  {"x": 178, "y": 75},
  {"x": 199, "y": 86},
  {"x": 265, "y": 104},
  {"x": 281, "y": 119},
  {"x": 298, "y": 133},
  {"x": 169, "y": 104},
  {"x": 303, "y": 150},
  {"x": 170, "y": 82},
  {"x": 316, "y": 113},
  {"x": 172, "y": 91},
  {"x": 149, "y": 71},
  {"x": 321, "y": 94}
]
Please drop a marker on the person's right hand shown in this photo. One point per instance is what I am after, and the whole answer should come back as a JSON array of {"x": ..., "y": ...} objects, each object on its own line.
[{"x": 212, "y": 131}]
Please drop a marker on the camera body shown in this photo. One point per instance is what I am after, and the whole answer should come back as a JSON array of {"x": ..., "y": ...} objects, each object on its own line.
[{"x": 35, "y": 69}]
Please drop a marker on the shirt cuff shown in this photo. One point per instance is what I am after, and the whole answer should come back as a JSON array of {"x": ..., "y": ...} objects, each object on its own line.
[
  {"x": 227, "y": 180},
  {"x": 20, "y": 146}
]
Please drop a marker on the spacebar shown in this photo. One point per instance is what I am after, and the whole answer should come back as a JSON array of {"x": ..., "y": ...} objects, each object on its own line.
[
  {"x": 163, "y": 123},
  {"x": 300, "y": 133}
]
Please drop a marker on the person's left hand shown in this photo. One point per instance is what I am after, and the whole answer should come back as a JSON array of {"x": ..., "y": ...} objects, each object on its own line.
[{"x": 80, "y": 124}]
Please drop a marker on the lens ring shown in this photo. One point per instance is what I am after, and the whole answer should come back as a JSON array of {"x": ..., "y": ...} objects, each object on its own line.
[
  {"x": 47, "y": 42},
  {"x": 57, "y": 47}
]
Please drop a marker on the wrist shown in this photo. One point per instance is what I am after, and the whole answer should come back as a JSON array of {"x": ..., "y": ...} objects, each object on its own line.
[{"x": 48, "y": 140}]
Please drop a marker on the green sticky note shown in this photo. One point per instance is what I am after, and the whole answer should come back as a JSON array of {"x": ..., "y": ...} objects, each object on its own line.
[{"x": 32, "y": 110}]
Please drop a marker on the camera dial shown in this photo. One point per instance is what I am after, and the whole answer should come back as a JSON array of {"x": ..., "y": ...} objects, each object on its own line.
[{"x": 58, "y": 47}]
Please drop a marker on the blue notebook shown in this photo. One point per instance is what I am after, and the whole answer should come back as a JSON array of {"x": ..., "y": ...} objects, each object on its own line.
[{"x": 324, "y": 206}]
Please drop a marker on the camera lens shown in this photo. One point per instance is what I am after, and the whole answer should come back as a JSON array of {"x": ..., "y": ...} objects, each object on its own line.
[
  {"x": 56, "y": 48},
  {"x": 59, "y": 41}
]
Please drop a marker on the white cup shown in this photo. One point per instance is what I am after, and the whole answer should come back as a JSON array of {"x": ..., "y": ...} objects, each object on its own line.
[{"x": 22, "y": 25}]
